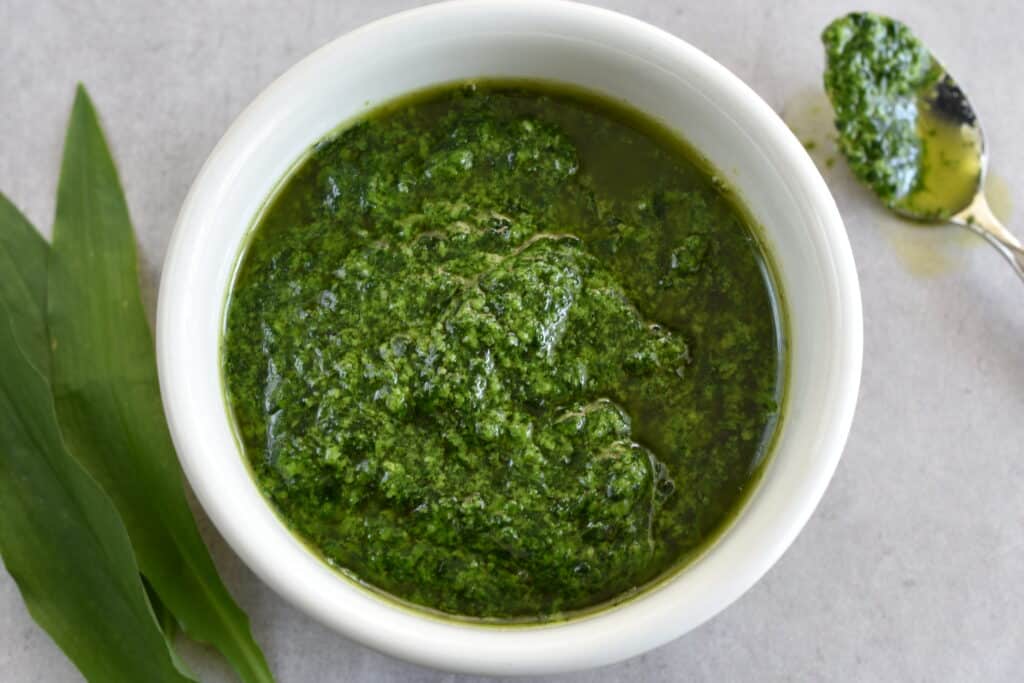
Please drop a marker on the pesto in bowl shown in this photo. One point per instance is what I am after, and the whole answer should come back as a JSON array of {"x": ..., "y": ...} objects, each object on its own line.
[{"x": 504, "y": 350}]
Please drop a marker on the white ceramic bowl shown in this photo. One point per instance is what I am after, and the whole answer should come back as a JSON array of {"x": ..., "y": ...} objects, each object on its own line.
[{"x": 602, "y": 51}]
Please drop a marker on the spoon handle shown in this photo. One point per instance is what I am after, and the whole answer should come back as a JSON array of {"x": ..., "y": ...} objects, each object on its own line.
[{"x": 979, "y": 218}]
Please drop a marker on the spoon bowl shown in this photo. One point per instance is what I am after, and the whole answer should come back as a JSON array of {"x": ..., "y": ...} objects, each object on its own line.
[{"x": 908, "y": 129}]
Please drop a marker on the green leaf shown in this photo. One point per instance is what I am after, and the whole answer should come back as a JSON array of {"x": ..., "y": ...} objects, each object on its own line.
[
  {"x": 167, "y": 621},
  {"x": 108, "y": 400},
  {"x": 60, "y": 535},
  {"x": 168, "y": 625},
  {"x": 23, "y": 254}
]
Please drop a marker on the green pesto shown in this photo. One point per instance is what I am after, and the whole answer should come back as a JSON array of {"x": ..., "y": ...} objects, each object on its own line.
[
  {"x": 875, "y": 70},
  {"x": 503, "y": 351}
]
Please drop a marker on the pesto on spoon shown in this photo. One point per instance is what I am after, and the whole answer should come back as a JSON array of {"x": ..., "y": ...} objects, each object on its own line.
[{"x": 907, "y": 128}]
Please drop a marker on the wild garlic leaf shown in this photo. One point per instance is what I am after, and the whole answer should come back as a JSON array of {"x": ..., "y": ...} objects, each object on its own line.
[
  {"x": 23, "y": 255},
  {"x": 60, "y": 535},
  {"x": 108, "y": 399}
]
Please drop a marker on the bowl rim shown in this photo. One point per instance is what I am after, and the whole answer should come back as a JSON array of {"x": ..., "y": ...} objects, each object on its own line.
[{"x": 593, "y": 639}]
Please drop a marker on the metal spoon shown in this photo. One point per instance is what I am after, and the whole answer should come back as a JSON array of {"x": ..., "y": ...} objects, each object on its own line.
[{"x": 955, "y": 143}]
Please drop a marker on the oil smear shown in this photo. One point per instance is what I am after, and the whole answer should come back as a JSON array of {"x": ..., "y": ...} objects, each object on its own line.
[{"x": 927, "y": 250}]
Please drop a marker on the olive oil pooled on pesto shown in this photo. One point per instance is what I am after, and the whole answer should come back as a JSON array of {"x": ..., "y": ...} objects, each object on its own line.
[{"x": 503, "y": 351}]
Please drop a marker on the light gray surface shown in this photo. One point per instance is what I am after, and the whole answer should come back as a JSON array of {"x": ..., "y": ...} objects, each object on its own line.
[{"x": 911, "y": 569}]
